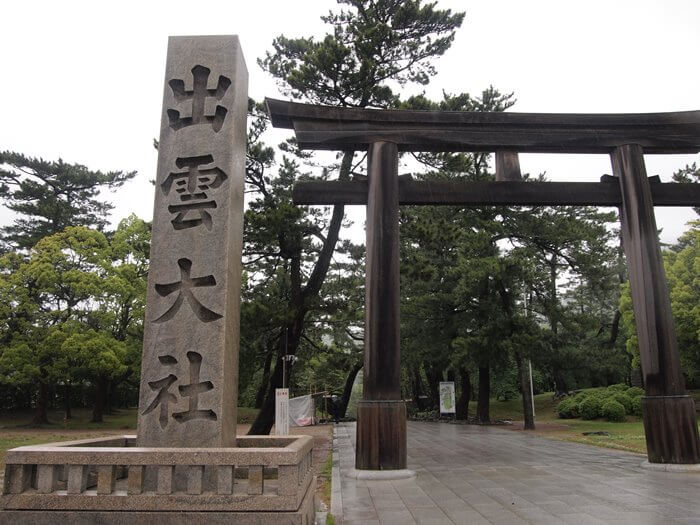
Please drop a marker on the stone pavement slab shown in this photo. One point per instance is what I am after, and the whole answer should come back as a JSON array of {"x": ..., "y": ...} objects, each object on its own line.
[{"x": 469, "y": 474}]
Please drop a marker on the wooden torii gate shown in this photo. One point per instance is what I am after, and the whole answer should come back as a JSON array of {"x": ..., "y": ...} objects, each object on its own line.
[{"x": 668, "y": 412}]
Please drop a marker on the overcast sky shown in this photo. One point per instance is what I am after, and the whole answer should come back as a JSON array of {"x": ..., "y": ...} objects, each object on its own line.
[{"x": 83, "y": 80}]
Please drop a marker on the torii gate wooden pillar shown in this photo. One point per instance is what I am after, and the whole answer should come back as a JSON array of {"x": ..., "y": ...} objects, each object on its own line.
[{"x": 669, "y": 413}]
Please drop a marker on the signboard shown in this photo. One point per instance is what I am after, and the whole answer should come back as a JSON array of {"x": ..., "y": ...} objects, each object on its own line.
[
  {"x": 447, "y": 397},
  {"x": 282, "y": 411}
]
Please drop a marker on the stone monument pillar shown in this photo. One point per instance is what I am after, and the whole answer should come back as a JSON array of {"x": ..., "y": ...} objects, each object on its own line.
[{"x": 189, "y": 370}]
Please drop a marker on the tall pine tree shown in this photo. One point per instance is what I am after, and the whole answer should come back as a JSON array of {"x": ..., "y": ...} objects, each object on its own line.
[
  {"x": 52, "y": 195},
  {"x": 372, "y": 44}
]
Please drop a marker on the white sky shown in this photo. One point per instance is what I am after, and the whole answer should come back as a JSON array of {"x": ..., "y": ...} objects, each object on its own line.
[{"x": 83, "y": 80}]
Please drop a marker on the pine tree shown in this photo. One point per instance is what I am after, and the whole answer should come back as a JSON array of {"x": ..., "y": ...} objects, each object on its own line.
[
  {"x": 52, "y": 195},
  {"x": 372, "y": 43}
]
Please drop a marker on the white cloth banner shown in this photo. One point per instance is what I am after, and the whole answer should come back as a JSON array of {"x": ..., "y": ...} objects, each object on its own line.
[
  {"x": 447, "y": 397},
  {"x": 301, "y": 411}
]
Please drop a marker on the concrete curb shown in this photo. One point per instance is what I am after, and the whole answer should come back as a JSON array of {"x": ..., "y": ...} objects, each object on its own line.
[
  {"x": 672, "y": 467},
  {"x": 381, "y": 475},
  {"x": 336, "y": 492}
]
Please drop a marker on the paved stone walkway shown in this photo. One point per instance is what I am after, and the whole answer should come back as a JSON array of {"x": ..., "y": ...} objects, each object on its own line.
[{"x": 481, "y": 475}]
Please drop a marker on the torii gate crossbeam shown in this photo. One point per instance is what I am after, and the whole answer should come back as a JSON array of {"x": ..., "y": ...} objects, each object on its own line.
[{"x": 669, "y": 413}]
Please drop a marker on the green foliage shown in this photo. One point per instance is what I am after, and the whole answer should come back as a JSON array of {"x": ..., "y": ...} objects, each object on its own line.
[
  {"x": 612, "y": 410},
  {"x": 683, "y": 273},
  {"x": 634, "y": 391},
  {"x": 689, "y": 174},
  {"x": 50, "y": 196},
  {"x": 96, "y": 354},
  {"x": 589, "y": 403},
  {"x": 682, "y": 267},
  {"x": 623, "y": 399},
  {"x": 637, "y": 406},
  {"x": 73, "y": 308},
  {"x": 426, "y": 415},
  {"x": 617, "y": 388},
  {"x": 568, "y": 408},
  {"x": 372, "y": 43},
  {"x": 590, "y": 407}
]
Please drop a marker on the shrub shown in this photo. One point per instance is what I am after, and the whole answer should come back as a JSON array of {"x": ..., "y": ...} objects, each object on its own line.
[
  {"x": 617, "y": 388},
  {"x": 637, "y": 406},
  {"x": 568, "y": 408},
  {"x": 613, "y": 411},
  {"x": 624, "y": 400},
  {"x": 589, "y": 408},
  {"x": 581, "y": 396},
  {"x": 634, "y": 391},
  {"x": 427, "y": 415},
  {"x": 585, "y": 394}
]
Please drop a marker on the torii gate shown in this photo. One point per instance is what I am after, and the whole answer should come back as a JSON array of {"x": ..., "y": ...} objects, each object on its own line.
[{"x": 668, "y": 412}]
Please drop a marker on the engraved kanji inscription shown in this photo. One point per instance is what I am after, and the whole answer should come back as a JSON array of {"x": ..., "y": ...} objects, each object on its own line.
[
  {"x": 183, "y": 287},
  {"x": 164, "y": 397},
  {"x": 191, "y": 187},
  {"x": 197, "y": 97},
  {"x": 193, "y": 390}
]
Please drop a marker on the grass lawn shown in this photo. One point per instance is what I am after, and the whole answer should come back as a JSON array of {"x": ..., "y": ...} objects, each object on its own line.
[
  {"x": 513, "y": 408},
  {"x": 324, "y": 481},
  {"x": 628, "y": 435},
  {"x": 122, "y": 419}
]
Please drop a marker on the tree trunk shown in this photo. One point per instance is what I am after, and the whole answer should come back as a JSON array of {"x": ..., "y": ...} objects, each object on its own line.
[
  {"x": 524, "y": 380},
  {"x": 559, "y": 382},
  {"x": 109, "y": 397},
  {"x": 614, "y": 329},
  {"x": 67, "y": 400},
  {"x": 553, "y": 313},
  {"x": 462, "y": 408},
  {"x": 42, "y": 402},
  {"x": 482, "y": 404},
  {"x": 260, "y": 397},
  {"x": 100, "y": 397},
  {"x": 266, "y": 417},
  {"x": 300, "y": 297},
  {"x": 417, "y": 385},
  {"x": 434, "y": 375},
  {"x": 622, "y": 278},
  {"x": 347, "y": 389}
]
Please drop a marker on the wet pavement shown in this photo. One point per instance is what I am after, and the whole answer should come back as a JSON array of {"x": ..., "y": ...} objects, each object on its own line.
[{"x": 485, "y": 475}]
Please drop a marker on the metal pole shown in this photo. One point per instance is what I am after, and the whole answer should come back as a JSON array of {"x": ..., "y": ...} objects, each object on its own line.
[{"x": 532, "y": 394}]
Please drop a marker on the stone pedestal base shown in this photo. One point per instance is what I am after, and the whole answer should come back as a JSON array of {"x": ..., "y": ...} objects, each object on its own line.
[
  {"x": 304, "y": 515},
  {"x": 265, "y": 479},
  {"x": 381, "y": 435},
  {"x": 671, "y": 429}
]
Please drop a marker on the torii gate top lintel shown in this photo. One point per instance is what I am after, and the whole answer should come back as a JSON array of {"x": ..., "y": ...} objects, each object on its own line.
[{"x": 334, "y": 128}]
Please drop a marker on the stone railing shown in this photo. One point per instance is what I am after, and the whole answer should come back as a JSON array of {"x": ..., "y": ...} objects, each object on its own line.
[{"x": 269, "y": 473}]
